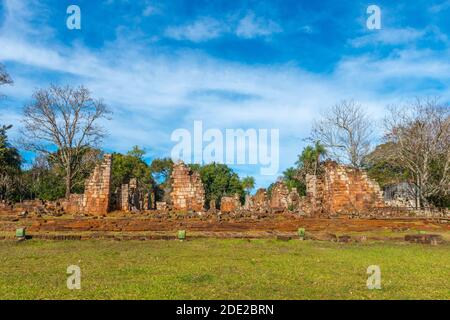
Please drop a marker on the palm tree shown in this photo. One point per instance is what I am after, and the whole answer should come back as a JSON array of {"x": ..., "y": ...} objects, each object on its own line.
[
  {"x": 248, "y": 183},
  {"x": 310, "y": 157},
  {"x": 319, "y": 151}
]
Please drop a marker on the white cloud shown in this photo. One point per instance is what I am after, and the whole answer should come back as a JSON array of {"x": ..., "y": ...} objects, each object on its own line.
[
  {"x": 389, "y": 37},
  {"x": 251, "y": 27},
  {"x": 203, "y": 29},
  {"x": 403, "y": 36},
  {"x": 440, "y": 7},
  {"x": 206, "y": 28},
  {"x": 149, "y": 10}
]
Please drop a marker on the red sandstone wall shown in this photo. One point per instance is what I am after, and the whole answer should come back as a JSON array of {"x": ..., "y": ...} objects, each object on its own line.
[
  {"x": 97, "y": 191},
  {"x": 187, "y": 189},
  {"x": 341, "y": 189},
  {"x": 229, "y": 204},
  {"x": 279, "y": 196}
]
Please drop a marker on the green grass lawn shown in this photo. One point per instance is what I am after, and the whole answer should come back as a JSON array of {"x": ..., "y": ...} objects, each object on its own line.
[{"x": 222, "y": 269}]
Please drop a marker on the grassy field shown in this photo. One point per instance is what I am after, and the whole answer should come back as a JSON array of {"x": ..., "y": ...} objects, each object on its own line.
[{"x": 222, "y": 269}]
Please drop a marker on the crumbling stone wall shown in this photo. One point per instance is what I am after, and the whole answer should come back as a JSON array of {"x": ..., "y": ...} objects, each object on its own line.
[
  {"x": 279, "y": 196},
  {"x": 132, "y": 198},
  {"x": 35, "y": 206},
  {"x": 230, "y": 204},
  {"x": 259, "y": 201},
  {"x": 248, "y": 205},
  {"x": 96, "y": 199},
  {"x": 342, "y": 189},
  {"x": 124, "y": 198},
  {"x": 97, "y": 189},
  {"x": 75, "y": 203},
  {"x": 294, "y": 199},
  {"x": 187, "y": 189}
]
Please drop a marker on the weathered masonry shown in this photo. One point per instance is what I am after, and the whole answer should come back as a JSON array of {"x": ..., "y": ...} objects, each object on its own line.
[
  {"x": 96, "y": 199},
  {"x": 342, "y": 189},
  {"x": 187, "y": 189}
]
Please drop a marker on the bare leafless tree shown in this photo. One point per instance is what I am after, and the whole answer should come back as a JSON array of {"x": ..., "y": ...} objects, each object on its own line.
[
  {"x": 64, "y": 118},
  {"x": 345, "y": 132},
  {"x": 420, "y": 136}
]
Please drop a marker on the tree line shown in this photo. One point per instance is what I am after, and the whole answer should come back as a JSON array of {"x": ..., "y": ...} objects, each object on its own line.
[
  {"x": 415, "y": 147},
  {"x": 62, "y": 126}
]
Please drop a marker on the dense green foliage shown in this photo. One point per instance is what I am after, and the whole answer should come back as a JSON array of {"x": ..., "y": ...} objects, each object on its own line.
[
  {"x": 382, "y": 168},
  {"x": 219, "y": 180},
  {"x": 161, "y": 169},
  {"x": 10, "y": 162},
  {"x": 9, "y": 155},
  {"x": 290, "y": 177},
  {"x": 309, "y": 160},
  {"x": 131, "y": 165},
  {"x": 248, "y": 184}
]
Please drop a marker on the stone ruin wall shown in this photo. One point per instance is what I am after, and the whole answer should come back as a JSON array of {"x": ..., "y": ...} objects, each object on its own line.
[
  {"x": 97, "y": 190},
  {"x": 230, "y": 204},
  {"x": 187, "y": 189},
  {"x": 279, "y": 196},
  {"x": 338, "y": 190},
  {"x": 259, "y": 201},
  {"x": 341, "y": 189},
  {"x": 131, "y": 198},
  {"x": 96, "y": 199}
]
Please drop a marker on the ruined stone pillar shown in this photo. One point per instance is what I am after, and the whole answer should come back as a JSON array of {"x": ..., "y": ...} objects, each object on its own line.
[
  {"x": 97, "y": 190},
  {"x": 187, "y": 189}
]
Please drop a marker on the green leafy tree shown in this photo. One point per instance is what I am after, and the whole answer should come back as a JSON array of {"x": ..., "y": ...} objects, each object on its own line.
[
  {"x": 131, "y": 165},
  {"x": 248, "y": 184},
  {"x": 291, "y": 179},
  {"x": 161, "y": 169},
  {"x": 44, "y": 180},
  {"x": 381, "y": 166},
  {"x": 219, "y": 180},
  {"x": 309, "y": 160},
  {"x": 10, "y": 162}
]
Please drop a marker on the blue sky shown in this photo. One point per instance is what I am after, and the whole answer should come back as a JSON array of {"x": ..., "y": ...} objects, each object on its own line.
[{"x": 160, "y": 65}]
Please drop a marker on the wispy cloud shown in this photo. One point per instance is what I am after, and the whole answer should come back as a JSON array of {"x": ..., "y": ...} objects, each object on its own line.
[
  {"x": 399, "y": 36},
  {"x": 149, "y": 10},
  {"x": 437, "y": 8},
  {"x": 389, "y": 37},
  {"x": 203, "y": 29},
  {"x": 251, "y": 26},
  {"x": 206, "y": 28}
]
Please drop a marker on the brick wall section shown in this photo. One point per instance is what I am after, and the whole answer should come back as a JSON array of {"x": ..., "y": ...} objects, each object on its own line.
[
  {"x": 74, "y": 204},
  {"x": 97, "y": 189},
  {"x": 230, "y": 204},
  {"x": 279, "y": 196},
  {"x": 187, "y": 189},
  {"x": 341, "y": 189},
  {"x": 124, "y": 198},
  {"x": 259, "y": 200},
  {"x": 294, "y": 199}
]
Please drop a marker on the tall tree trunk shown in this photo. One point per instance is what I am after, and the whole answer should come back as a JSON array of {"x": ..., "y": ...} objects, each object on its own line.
[
  {"x": 418, "y": 189},
  {"x": 68, "y": 181}
]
